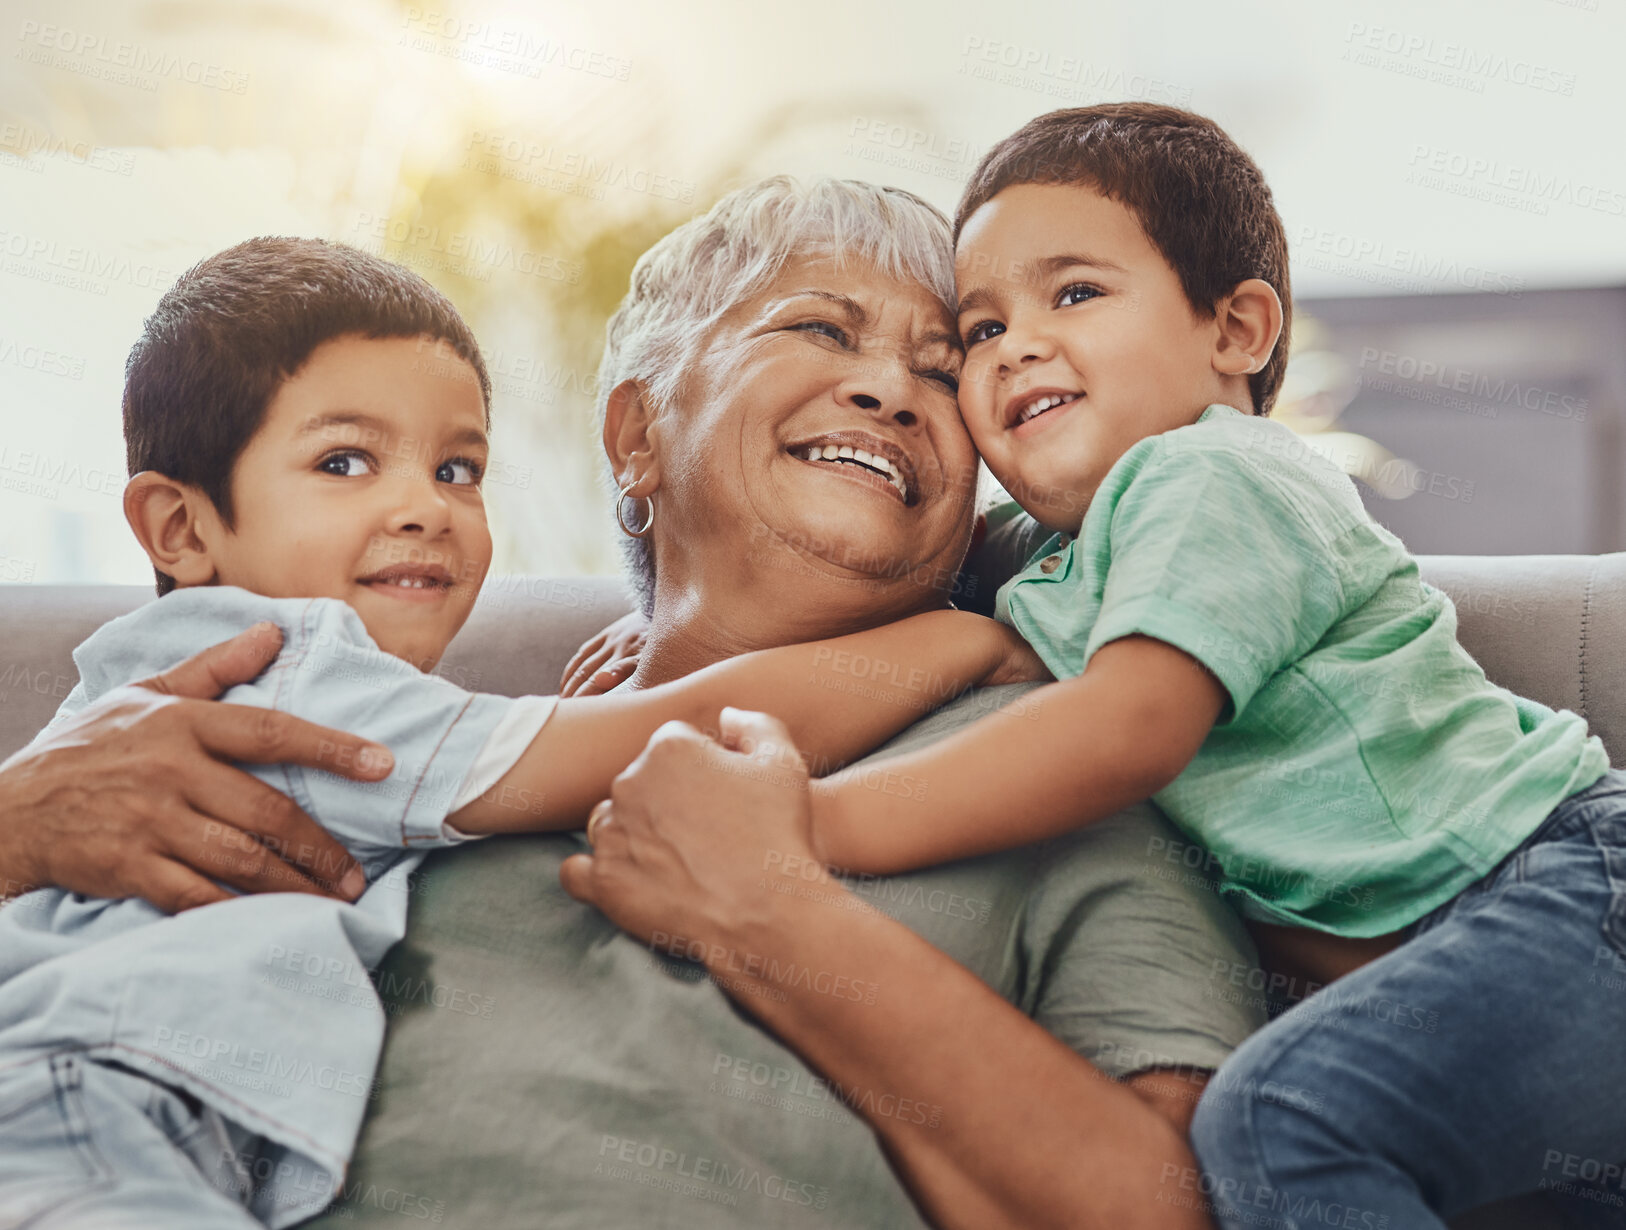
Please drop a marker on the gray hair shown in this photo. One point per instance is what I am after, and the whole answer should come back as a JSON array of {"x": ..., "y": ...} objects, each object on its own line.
[{"x": 694, "y": 276}]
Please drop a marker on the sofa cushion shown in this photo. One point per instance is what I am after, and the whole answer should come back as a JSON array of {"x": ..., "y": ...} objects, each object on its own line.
[{"x": 1550, "y": 627}]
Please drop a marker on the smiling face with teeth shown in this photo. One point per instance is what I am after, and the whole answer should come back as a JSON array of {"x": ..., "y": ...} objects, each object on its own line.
[
  {"x": 363, "y": 484},
  {"x": 817, "y": 436},
  {"x": 1080, "y": 342},
  {"x": 887, "y": 461}
]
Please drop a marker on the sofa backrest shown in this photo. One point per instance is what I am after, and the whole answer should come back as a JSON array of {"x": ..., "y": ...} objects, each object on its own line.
[{"x": 1551, "y": 627}]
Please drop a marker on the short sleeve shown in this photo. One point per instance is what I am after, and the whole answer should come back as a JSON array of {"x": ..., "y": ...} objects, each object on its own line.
[
  {"x": 334, "y": 674},
  {"x": 1211, "y": 553},
  {"x": 502, "y": 749},
  {"x": 1136, "y": 962}
]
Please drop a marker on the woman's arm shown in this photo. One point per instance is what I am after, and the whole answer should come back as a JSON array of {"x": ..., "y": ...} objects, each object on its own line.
[
  {"x": 131, "y": 798},
  {"x": 839, "y": 697},
  {"x": 703, "y": 849},
  {"x": 1062, "y": 756}
]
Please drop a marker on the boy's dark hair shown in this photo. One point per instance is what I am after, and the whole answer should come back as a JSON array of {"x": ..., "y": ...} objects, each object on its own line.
[
  {"x": 1202, "y": 202},
  {"x": 225, "y": 337}
]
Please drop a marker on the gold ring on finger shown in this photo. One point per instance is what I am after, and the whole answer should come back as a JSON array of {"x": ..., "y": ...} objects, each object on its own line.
[{"x": 599, "y": 814}]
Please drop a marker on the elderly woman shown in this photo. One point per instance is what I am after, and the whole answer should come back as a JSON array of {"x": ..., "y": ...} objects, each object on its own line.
[{"x": 779, "y": 417}]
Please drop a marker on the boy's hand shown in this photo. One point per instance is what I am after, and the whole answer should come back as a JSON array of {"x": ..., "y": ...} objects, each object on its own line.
[
  {"x": 607, "y": 659},
  {"x": 1020, "y": 665},
  {"x": 131, "y": 798}
]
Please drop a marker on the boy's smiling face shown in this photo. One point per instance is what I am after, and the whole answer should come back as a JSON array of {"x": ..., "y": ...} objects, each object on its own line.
[
  {"x": 363, "y": 484},
  {"x": 1080, "y": 342}
]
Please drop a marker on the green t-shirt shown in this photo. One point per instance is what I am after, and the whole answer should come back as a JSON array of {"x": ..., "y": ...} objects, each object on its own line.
[
  {"x": 1364, "y": 770},
  {"x": 543, "y": 1068}
]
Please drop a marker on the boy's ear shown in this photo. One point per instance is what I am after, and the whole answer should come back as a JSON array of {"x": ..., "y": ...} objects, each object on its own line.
[
  {"x": 1250, "y": 322},
  {"x": 632, "y": 439},
  {"x": 165, "y": 516}
]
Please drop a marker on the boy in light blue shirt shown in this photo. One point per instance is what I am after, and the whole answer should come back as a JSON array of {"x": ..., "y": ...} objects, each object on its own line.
[
  {"x": 1234, "y": 637},
  {"x": 307, "y": 430}
]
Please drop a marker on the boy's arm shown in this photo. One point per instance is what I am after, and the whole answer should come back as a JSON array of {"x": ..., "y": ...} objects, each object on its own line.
[
  {"x": 1060, "y": 757},
  {"x": 840, "y": 698}
]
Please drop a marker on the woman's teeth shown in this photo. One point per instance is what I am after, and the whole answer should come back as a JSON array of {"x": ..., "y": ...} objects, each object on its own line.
[
  {"x": 846, "y": 452},
  {"x": 1043, "y": 404},
  {"x": 410, "y": 582}
]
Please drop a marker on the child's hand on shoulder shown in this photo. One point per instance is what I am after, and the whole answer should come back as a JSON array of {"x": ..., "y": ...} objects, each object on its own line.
[{"x": 608, "y": 659}]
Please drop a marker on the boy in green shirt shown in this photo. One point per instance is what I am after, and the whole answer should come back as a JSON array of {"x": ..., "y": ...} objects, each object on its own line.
[{"x": 1237, "y": 639}]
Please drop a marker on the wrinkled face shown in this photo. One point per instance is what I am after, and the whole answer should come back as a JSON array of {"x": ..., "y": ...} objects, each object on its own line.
[
  {"x": 1079, "y": 341},
  {"x": 820, "y": 420},
  {"x": 363, "y": 484}
]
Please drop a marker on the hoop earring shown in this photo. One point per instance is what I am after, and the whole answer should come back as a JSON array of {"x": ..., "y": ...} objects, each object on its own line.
[{"x": 620, "y": 517}]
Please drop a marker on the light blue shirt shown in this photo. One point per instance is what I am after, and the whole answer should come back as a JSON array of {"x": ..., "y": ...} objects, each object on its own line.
[{"x": 261, "y": 1006}]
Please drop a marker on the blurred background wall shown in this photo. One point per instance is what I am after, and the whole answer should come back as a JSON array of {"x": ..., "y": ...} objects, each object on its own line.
[{"x": 1451, "y": 177}]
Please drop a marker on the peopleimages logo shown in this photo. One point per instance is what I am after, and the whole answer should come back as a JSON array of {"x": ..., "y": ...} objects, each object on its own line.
[
  {"x": 1066, "y": 78},
  {"x": 473, "y": 255},
  {"x": 511, "y": 48},
  {"x": 1494, "y": 390},
  {"x": 708, "y": 1171},
  {"x": 1405, "y": 268},
  {"x": 525, "y": 159},
  {"x": 29, "y": 143},
  {"x": 1432, "y": 166},
  {"x": 42, "y": 474},
  {"x": 229, "y": 1062},
  {"x": 95, "y": 55},
  {"x": 34, "y": 358},
  {"x": 1450, "y": 63},
  {"x": 75, "y": 267}
]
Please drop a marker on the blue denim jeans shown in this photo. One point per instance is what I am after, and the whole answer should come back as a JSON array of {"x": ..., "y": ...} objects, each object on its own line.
[
  {"x": 1484, "y": 1057},
  {"x": 92, "y": 1146}
]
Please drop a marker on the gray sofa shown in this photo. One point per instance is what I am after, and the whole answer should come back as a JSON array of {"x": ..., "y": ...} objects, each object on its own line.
[{"x": 1549, "y": 627}]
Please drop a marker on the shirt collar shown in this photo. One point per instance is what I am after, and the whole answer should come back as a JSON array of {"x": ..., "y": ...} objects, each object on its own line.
[{"x": 1219, "y": 410}]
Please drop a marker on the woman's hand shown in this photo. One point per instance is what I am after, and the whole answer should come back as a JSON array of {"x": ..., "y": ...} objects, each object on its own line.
[
  {"x": 130, "y": 798},
  {"x": 606, "y": 660},
  {"x": 670, "y": 864},
  {"x": 1020, "y": 665}
]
